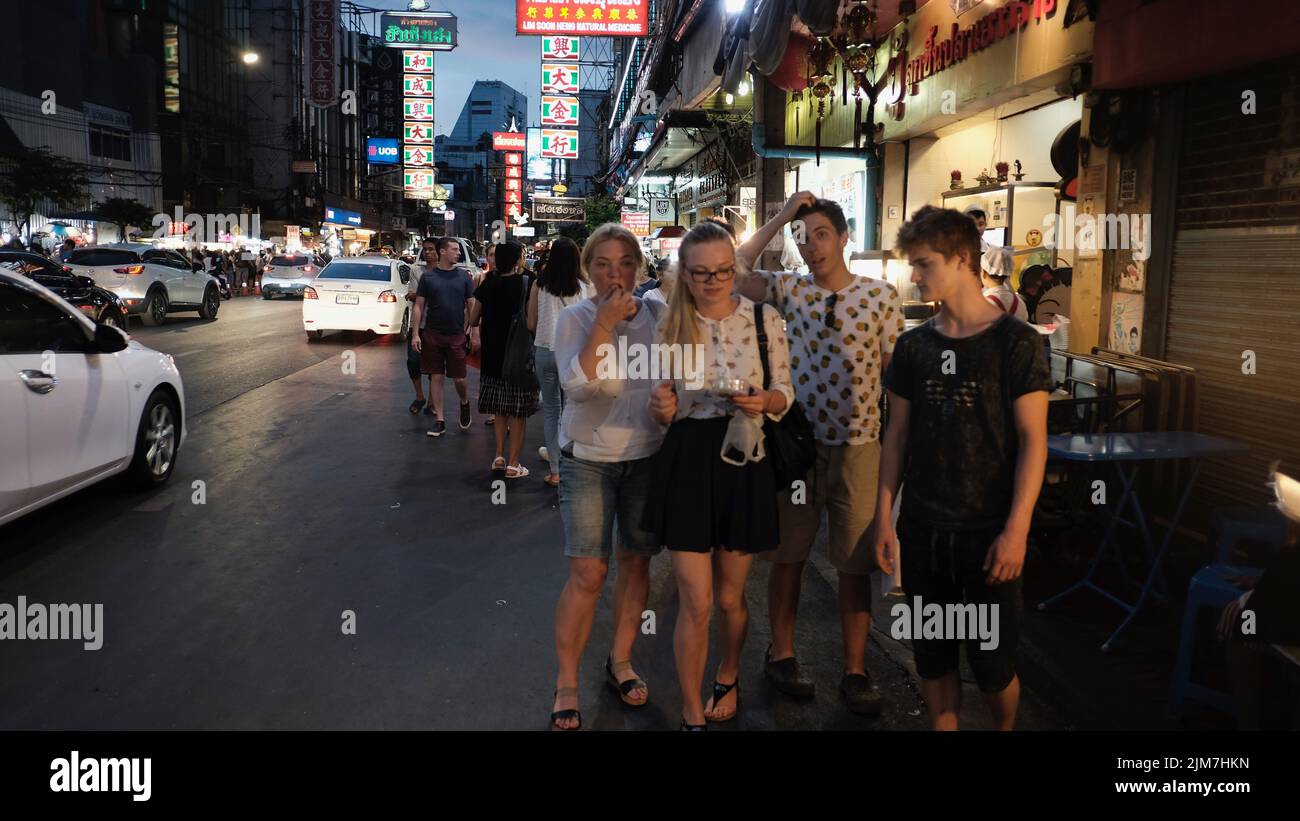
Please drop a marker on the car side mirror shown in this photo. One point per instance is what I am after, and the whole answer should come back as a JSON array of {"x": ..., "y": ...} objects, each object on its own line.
[
  {"x": 109, "y": 339},
  {"x": 85, "y": 282}
]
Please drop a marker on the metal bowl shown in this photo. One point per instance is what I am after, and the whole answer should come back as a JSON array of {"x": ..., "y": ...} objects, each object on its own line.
[{"x": 729, "y": 387}]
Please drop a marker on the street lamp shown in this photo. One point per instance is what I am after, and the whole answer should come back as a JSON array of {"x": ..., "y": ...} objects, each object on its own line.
[{"x": 249, "y": 57}]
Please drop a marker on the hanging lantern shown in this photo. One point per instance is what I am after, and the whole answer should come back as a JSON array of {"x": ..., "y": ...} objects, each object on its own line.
[{"x": 859, "y": 23}]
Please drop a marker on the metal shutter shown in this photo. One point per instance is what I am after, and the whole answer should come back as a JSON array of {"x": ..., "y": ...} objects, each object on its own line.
[{"x": 1235, "y": 280}]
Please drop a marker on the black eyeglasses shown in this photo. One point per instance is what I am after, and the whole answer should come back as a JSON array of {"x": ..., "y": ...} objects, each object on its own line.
[
  {"x": 829, "y": 314},
  {"x": 721, "y": 275}
]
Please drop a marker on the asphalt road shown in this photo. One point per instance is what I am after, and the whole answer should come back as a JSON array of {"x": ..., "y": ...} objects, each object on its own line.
[{"x": 319, "y": 495}]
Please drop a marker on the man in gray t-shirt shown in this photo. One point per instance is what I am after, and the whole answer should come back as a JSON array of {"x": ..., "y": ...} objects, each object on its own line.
[{"x": 440, "y": 316}]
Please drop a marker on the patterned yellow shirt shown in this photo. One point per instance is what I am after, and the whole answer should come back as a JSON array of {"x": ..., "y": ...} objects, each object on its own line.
[{"x": 837, "y": 367}]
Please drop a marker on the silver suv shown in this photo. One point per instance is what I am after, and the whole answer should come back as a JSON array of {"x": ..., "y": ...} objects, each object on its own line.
[
  {"x": 289, "y": 274},
  {"x": 151, "y": 282}
]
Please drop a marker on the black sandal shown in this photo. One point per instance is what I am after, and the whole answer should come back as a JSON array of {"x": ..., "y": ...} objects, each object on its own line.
[
  {"x": 693, "y": 728},
  {"x": 720, "y": 692},
  {"x": 417, "y": 406},
  {"x": 625, "y": 687},
  {"x": 562, "y": 714}
]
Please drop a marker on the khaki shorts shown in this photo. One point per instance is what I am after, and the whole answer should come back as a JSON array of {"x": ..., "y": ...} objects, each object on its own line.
[{"x": 843, "y": 483}]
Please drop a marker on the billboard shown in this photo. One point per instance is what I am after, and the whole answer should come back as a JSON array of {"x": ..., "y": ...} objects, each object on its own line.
[
  {"x": 508, "y": 141},
  {"x": 559, "y": 78},
  {"x": 560, "y": 144},
  {"x": 610, "y": 18},
  {"x": 559, "y": 110},
  {"x": 382, "y": 150},
  {"x": 431, "y": 30},
  {"x": 539, "y": 168},
  {"x": 638, "y": 222},
  {"x": 559, "y": 209}
]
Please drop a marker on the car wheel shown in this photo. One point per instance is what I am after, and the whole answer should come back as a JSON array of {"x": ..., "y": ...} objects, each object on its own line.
[
  {"x": 211, "y": 303},
  {"x": 113, "y": 319},
  {"x": 266, "y": 294},
  {"x": 156, "y": 442},
  {"x": 312, "y": 336},
  {"x": 406, "y": 324},
  {"x": 155, "y": 312}
]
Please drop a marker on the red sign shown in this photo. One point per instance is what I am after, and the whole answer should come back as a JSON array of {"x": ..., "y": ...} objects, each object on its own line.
[
  {"x": 514, "y": 159},
  {"x": 513, "y": 172},
  {"x": 513, "y": 185},
  {"x": 638, "y": 222},
  {"x": 322, "y": 82},
  {"x": 514, "y": 196},
  {"x": 611, "y": 18},
  {"x": 514, "y": 209},
  {"x": 509, "y": 141}
]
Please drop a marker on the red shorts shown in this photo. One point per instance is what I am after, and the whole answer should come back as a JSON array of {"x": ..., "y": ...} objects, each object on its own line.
[{"x": 442, "y": 353}]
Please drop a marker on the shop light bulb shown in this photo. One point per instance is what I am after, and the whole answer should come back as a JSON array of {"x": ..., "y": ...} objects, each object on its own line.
[
  {"x": 730, "y": 99},
  {"x": 735, "y": 6},
  {"x": 250, "y": 57},
  {"x": 744, "y": 88}
]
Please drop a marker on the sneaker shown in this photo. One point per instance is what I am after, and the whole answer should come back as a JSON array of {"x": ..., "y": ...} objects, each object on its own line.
[
  {"x": 545, "y": 454},
  {"x": 438, "y": 427},
  {"x": 788, "y": 676},
  {"x": 860, "y": 694},
  {"x": 464, "y": 416}
]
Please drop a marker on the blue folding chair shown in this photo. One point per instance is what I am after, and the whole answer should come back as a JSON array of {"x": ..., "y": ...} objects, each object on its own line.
[{"x": 1210, "y": 589}]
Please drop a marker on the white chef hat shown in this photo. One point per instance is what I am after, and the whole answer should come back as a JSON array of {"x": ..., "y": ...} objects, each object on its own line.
[{"x": 996, "y": 262}]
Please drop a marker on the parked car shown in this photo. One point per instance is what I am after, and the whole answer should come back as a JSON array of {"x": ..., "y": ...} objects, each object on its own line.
[
  {"x": 80, "y": 401},
  {"x": 358, "y": 294},
  {"x": 152, "y": 282},
  {"x": 289, "y": 274},
  {"x": 100, "y": 304}
]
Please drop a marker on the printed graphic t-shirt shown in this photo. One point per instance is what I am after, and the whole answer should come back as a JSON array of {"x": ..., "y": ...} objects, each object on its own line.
[
  {"x": 962, "y": 442},
  {"x": 836, "y": 365}
]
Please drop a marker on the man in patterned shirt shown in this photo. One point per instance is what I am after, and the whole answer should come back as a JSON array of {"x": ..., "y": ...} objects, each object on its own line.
[{"x": 842, "y": 331}]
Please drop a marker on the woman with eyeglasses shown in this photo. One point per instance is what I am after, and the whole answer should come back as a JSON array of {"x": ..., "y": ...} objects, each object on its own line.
[{"x": 713, "y": 494}]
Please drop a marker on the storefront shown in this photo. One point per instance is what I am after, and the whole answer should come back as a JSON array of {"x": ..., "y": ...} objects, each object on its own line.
[
  {"x": 980, "y": 110},
  {"x": 1208, "y": 151}
]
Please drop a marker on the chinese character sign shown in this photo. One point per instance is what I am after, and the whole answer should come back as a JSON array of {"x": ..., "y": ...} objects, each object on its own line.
[
  {"x": 417, "y": 85},
  {"x": 560, "y": 48},
  {"x": 610, "y": 18},
  {"x": 560, "y": 144},
  {"x": 417, "y": 62},
  {"x": 559, "y": 78},
  {"x": 417, "y": 155},
  {"x": 559, "y": 110},
  {"x": 421, "y": 133},
  {"x": 322, "y": 51},
  {"x": 422, "y": 110}
]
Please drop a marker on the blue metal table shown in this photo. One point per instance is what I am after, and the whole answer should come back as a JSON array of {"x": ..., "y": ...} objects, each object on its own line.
[{"x": 1128, "y": 451}]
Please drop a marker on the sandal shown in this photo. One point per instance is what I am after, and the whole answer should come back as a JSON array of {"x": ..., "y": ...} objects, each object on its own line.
[
  {"x": 491, "y": 420},
  {"x": 694, "y": 728},
  {"x": 720, "y": 692},
  {"x": 552, "y": 479},
  {"x": 516, "y": 471},
  {"x": 416, "y": 406},
  {"x": 627, "y": 686},
  {"x": 557, "y": 715},
  {"x": 499, "y": 468}
]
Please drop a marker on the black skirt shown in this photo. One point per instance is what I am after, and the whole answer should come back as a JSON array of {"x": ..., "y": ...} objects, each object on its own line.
[{"x": 698, "y": 502}]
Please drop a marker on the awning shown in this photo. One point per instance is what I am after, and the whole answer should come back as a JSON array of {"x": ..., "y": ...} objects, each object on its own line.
[
  {"x": 680, "y": 136},
  {"x": 1140, "y": 43}
]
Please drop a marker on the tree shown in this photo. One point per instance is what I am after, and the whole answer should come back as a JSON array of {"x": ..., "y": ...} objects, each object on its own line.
[
  {"x": 601, "y": 210},
  {"x": 122, "y": 211},
  {"x": 31, "y": 176}
]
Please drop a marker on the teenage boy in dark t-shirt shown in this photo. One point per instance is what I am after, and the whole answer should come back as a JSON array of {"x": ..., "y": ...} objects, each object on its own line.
[{"x": 967, "y": 437}]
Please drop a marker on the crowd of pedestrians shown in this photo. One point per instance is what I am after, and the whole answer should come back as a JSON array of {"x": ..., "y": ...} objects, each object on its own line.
[{"x": 689, "y": 464}]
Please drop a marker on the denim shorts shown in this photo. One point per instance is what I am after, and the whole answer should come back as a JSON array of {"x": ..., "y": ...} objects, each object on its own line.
[
  {"x": 947, "y": 567},
  {"x": 597, "y": 496}
]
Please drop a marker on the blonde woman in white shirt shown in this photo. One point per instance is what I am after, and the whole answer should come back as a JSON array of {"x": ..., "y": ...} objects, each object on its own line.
[{"x": 712, "y": 514}]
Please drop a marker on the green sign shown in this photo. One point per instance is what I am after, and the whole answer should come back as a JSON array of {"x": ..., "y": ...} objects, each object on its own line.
[{"x": 435, "y": 30}]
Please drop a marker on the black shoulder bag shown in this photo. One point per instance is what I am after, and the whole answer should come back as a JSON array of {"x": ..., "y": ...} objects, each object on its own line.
[
  {"x": 790, "y": 443},
  {"x": 517, "y": 367}
]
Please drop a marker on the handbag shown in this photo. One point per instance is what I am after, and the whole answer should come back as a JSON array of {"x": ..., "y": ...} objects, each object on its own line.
[
  {"x": 517, "y": 366},
  {"x": 790, "y": 443}
]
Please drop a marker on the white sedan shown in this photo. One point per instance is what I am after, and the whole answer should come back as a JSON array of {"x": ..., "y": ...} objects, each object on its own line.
[
  {"x": 358, "y": 294},
  {"x": 79, "y": 402}
]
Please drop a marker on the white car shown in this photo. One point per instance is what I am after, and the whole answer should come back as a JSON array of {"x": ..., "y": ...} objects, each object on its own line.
[
  {"x": 152, "y": 282},
  {"x": 79, "y": 402},
  {"x": 365, "y": 293},
  {"x": 289, "y": 274}
]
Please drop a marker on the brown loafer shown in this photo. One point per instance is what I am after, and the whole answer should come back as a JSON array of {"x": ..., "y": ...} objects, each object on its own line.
[{"x": 787, "y": 676}]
